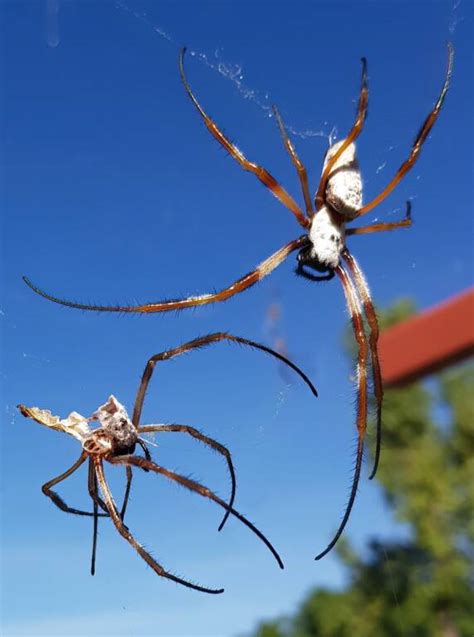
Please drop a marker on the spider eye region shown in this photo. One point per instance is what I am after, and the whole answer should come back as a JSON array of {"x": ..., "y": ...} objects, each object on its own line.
[{"x": 327, "y": 241}]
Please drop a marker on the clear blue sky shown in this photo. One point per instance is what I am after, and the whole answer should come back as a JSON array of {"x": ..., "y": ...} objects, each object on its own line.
[{"x": 114, "y": 191}]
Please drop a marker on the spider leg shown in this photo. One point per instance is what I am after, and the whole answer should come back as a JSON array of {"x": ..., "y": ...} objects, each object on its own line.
[
  {"x": 260, "y": 272},
  {"x": 145, "y": 449},
  {"x": 207, "y": 441},
  {"x": 92, "y": 488},
  {"x": 419, "y": 141},
  {"x": 197, "y": 343},
  {"x": 125, "y": 533},
  {"x": 298, "y": 164},
  {"x": 261, "y": 173},
  {"x": 197, "y": 488},
  {"x": 364, "y": 292},
  {"x": 127, "y": 490},
  {"x": 56, "y": 499},
  {"x": 358, "y": 326},
  {"x": 352, "y": 136},
  {"x": 382, "y": 227},
  {"x": 97, "y": 501},
  {"x": 92, "y": 481},
  {"x": 186, "y": 347}
]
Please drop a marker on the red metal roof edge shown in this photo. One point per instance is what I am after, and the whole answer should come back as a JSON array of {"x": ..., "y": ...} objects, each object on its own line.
[{"x": 429, "y": 341}]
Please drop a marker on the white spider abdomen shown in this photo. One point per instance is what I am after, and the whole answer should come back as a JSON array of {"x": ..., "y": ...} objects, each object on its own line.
[
  {"x": 327, "y": 238},
  {"x": 344, "y": 187}
]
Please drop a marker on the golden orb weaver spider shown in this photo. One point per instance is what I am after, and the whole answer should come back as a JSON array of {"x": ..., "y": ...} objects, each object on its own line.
[
  {"x": 115, "y": 440},
  {"x": 322, "y": 248}
]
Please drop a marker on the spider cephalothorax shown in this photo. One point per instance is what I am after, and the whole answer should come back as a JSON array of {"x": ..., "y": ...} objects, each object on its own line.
[
  {"x": 322, "y": 248},
  {"x": 114, "y": 441}
]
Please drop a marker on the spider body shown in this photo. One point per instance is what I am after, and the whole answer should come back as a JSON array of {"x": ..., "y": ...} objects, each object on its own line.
[
  {"x": 327, "y": 237},
  {"x": 322, "y": 248},
  {"x": 116, "y": 436},
  {"x": 344, "y": 186},
  {"x": 114, "y": 441},
  {"x": 327, "y": 230}
]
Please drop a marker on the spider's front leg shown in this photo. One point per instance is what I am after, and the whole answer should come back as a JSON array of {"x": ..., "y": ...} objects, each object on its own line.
[
  {"x": 245, "y": 282},
  {"x": 198, "y": 343},
  {"x": 125, "y": 533},
  {"x": 57, "y": 500}
]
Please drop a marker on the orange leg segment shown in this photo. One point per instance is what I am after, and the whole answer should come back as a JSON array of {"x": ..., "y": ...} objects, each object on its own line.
[
  {"x": 419, "y": 141},
  {"x": 261, "y": 173}
]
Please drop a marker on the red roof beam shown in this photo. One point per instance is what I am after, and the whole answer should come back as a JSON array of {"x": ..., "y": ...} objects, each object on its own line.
[{"x": 428, "y": 341}]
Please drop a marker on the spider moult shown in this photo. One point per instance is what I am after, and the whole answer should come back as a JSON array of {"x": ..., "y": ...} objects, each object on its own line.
[
  {"x": 115, "y": 441},
  {"x": 322, "y": 250}
]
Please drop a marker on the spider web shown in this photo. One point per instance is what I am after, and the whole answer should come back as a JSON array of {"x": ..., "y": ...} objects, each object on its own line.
[{"x": 232, "y": 71}]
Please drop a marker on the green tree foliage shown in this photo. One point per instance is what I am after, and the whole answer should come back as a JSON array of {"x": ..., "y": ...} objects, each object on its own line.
[{"x": 422, "y": 587}]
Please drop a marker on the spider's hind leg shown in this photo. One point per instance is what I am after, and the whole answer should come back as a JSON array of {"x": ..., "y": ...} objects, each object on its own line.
[
  {"x": 358, "y": 327},
  {"x": 210, "y": 442},
  {"x": 371, "y": 316}
]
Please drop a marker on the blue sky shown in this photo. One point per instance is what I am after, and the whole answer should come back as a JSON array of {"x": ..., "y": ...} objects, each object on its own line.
[{"x": 114, "y": 191}]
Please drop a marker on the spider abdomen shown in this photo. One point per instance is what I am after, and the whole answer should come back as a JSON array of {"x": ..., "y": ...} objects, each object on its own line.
[{"x": 344, "y": 187}]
